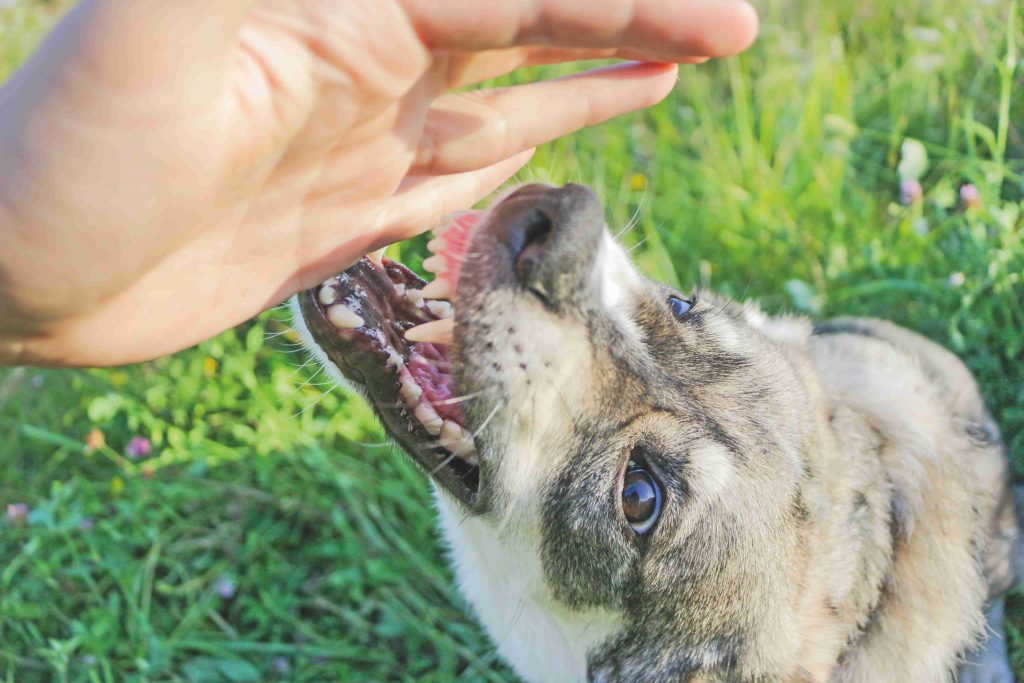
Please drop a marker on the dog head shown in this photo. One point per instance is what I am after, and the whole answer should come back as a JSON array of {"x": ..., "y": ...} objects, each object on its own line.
[{"x": 642, "y": 448}]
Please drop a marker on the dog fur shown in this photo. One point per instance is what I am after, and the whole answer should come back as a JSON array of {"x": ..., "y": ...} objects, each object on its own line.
[{"x": 837, "y": 505}]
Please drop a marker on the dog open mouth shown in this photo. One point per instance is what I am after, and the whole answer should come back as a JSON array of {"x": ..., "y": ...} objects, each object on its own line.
[{"x": 390, "y": 332}]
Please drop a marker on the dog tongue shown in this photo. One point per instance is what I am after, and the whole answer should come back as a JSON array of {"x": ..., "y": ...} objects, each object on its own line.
[{"x": 432, "y": 371}]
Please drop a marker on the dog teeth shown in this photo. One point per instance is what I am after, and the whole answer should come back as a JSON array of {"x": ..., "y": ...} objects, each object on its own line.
[
  {"x": 451, "y": 435},
  {"x": 435, "y": 264},
  {"x": 377, "y": 258},
  {"x": 437, "y": 245},
  {"x": 442, "y": 309},
  {"x": 410, "y": 391},
  {"x": 400, "y": 290},
  {"x": 458, "y": 441},
  {"x": 448, "y": 221},
  {"x": 327, "y": 294},
  {"x": 438, "y": 289},
  {"x": 430, "y": 420},
  {"x": 343, "y": 317},
  {"x": 436, "y": 331},
  {"x": 415, "y": 296}
]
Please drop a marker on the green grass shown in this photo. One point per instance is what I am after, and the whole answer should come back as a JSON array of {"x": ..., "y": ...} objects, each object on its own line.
[{"x": 770, "y": 176}]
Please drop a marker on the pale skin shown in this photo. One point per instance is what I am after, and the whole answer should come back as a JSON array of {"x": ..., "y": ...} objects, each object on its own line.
[{"x": 170, "y": 169}]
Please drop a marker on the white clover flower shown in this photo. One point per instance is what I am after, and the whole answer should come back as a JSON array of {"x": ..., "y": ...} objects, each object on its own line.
[{"x": 913, "y": 160}]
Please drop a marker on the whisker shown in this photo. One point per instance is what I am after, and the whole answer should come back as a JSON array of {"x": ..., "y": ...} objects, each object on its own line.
[
  {"x": 291, "y": 352},
  {"x": 483, "y": 426},
  {"x": 288, "y": 345},
  {"x": 635, "y": 220},
  {"x": 310, "y": 379},
  {"x": 458, "y": 399},
  {"x": 443, "y": 463},
  {"x": 297, "y": 370},
  {"x": 313, "y": 404}
]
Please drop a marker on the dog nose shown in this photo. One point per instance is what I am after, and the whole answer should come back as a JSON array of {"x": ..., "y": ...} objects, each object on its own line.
[{"x": 550, "y": 234}]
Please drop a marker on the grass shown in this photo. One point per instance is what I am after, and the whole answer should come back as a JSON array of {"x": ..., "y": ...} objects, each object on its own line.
[{"x": 272, "y": 534}]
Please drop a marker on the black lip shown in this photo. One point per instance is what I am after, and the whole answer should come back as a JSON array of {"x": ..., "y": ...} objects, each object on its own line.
[{"x": 361, "y": 356}]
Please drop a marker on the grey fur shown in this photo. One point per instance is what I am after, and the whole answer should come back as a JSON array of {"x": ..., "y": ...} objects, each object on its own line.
[
  {"x": 866, "y": 521},
  {"x": 836, "y": 507}
]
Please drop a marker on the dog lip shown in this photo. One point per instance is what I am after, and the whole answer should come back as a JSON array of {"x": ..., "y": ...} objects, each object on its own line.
[{"x": 366, "y": 354}]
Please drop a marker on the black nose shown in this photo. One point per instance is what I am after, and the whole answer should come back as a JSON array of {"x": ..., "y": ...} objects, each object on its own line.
[{"x": 550, "y": 234}]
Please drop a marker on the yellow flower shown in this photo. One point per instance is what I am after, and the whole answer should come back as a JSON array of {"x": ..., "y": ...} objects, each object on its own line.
[
  {"x": 116, "y": 486},
  {"x": 94, "y": 440},
  {"x": 637, "y": 181},
  {"x": 209, "y": 366},
  {"x": 118, "y": 378}
]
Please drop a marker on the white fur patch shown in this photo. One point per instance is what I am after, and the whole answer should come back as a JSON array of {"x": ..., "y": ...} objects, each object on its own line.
[
  {"x": 499, "y": 573},
  {"x": 618, "y": 281},
  {"x": 712, "y": 468}
]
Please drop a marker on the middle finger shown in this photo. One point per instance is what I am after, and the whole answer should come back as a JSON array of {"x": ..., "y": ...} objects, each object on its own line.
[{"x": 467, "y": 131}]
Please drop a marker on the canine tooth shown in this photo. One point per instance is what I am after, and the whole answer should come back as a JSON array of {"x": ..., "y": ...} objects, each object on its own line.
[
  {"x": 438, "y": 289},
  {"x": 446, "y": 223},
  {"x": 442, "y": 309},
  {"x": 437, "y": 244},
  {"x": 344, "y": 317},
  {"x": 468, "y": 451},
  {"x": 327, "y": 295},
  {"x": 451, "y": 436},
  {"x": 430, "y": 420},
  {"x": 410, "y": 391},
  {"x": 436, "y": 331},
  {"x": 377, "y": 258},
  {"x": 435, "y": 264},
  {"x": 415, "y": 296}
]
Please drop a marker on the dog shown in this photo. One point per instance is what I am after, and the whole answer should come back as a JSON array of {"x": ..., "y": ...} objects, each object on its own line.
[{"x": 638, "y": 484}]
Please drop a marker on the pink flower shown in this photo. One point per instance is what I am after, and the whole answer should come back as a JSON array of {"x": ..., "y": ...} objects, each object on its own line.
[
  {"x": 910, "y": 192},
  {"x": 17, "y": 513},
  {"x": 225, "y": 587},
  {"x": 138, "y": 447},
  {"x": 281, "y": 666},
  {"x": 970, "y": 198}
]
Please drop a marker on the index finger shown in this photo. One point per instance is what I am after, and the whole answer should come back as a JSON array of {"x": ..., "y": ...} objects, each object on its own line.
[{"x": 662, "y": 29}]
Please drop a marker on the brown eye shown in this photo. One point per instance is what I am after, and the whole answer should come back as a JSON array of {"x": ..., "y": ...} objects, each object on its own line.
[{"x": 641, "y": 499}]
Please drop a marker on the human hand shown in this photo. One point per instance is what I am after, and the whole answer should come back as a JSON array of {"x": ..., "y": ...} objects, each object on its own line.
[{"x": 169, "y": 169}]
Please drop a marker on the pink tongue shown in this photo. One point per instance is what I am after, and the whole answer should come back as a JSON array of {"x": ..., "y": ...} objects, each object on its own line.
[{"x": 429, "y": 368}]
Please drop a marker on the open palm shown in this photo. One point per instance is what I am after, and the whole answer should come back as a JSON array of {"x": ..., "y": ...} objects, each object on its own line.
[{"x": 170, "y": 169}]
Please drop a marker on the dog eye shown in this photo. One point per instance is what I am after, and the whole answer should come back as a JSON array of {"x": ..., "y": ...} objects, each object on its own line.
[
  {"x": 641, "y": 499},
  {"x": 680, "y": 307}
]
